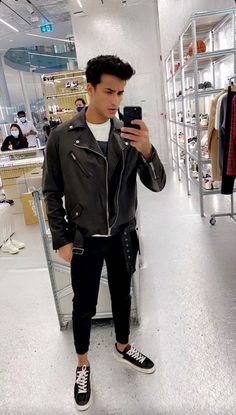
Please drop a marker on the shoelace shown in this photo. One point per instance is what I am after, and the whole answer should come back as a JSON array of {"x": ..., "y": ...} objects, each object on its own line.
[
  {"x": 135, "y": 354},
  {"x": 81, "y": 379}
]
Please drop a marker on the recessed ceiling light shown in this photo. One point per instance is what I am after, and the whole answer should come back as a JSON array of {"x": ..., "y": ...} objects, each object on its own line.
[
  {"x": 79, "y": 3},
  {"x": 7, "y": 24}
]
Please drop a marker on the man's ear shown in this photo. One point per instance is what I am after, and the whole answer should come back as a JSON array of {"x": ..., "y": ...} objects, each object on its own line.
[{"x": 90, "y": 89}]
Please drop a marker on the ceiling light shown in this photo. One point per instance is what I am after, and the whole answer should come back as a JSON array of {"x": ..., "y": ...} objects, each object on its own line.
[
  {"x": 7, "y": 24},
  {"x": 49, "y": 37},
  {"x": 79, "y": 3}
]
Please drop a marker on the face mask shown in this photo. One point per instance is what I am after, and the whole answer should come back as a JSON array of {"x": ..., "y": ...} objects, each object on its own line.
[
  {"x": 79, "y": 109},
  {"x": 15, "y": 134},
  {"x": 23, "y": 119}
]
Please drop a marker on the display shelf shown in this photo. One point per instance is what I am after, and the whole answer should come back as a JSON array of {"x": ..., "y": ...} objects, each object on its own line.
[
  {"x": 15, "y": 164},
  {"x": 186, "y": 68},
  {"x": 60, "y": 90}
]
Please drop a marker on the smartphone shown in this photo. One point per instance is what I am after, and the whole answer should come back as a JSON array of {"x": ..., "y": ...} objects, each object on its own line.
[{"x": 132, "y": 113}]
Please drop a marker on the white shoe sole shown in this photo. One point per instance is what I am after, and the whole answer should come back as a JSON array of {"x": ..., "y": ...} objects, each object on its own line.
[
  {"x": 84, "y": 407},
  {"x": 9, "y": 252},
  {"x": 130, "y": 365}
]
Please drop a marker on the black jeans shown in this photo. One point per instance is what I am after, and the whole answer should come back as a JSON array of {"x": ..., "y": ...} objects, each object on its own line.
[{"x": 85, "y": 276}]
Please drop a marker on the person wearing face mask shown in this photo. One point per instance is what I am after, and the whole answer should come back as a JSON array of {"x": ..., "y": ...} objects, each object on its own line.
[
  {"x": 16, "y": 139},
  {"x": 80, "y": 104},
  {"x": 28, "y": 128}
]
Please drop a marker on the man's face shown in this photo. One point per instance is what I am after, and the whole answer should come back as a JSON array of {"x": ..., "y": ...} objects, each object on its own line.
[
  {"x": 79, "y": 103},
  {"x": 106, "y": 97}
]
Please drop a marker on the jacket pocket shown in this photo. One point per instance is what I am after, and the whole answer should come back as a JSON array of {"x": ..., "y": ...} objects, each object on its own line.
[
  {"x": 78, "y": 162},
  {"x": 76, "y": 212}
]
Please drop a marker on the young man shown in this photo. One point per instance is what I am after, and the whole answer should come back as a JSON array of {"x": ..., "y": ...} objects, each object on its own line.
[
  {"x": 80, "y": 104},
  {"x": 28, "y": 129},
  {"x": 90, "y": 161}
]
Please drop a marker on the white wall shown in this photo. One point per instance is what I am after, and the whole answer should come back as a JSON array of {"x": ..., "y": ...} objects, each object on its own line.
[
  {"x": 131, "y": 32},
  {"x": 33, "y": 85},
  {"x": 174, "y": 15}
]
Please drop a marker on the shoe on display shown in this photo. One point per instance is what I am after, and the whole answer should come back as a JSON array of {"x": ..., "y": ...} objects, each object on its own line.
[
  {"x": 82, "y": 388},
  {"x": 9, "y": 247},
  {"x": 201, "y": 87},
  {"x": 207, "y": 184},
  {"x": 134, "y": 359},
  {"x": 68, "y": 85},
  {"x": 17, "y": 244},
  {"x": 208, "y": 85},
  {"x": 193, "y": 119},
  {"x": 204, "y": 120},
  {"x": 192, "y": 139},
  {"x": 9, "y": 201},
  {"x": 74, "y": 85}
]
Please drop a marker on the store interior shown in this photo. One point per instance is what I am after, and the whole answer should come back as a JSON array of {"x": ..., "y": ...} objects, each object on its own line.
[{"x": 184, "y": 288}]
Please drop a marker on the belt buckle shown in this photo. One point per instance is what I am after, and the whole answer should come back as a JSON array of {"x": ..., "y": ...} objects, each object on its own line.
[{"x": 78, "y": 251}]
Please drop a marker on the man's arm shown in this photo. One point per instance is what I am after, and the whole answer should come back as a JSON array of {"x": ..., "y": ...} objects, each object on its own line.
[
  {"x": 53, "y": 190},
  {"x": 150, "y": 167}
]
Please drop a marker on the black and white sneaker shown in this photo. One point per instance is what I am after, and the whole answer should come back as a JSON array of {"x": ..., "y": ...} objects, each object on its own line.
[
  {"x": 135, "y": 359},
  {"x": 82, "y": 389}
]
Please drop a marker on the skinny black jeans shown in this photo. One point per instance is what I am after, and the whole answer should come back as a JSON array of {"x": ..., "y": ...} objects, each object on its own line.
[{"x": 85, "y": 275}]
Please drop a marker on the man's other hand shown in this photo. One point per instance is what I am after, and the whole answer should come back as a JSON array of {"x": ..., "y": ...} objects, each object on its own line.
[{"x": 65, "y": 252}]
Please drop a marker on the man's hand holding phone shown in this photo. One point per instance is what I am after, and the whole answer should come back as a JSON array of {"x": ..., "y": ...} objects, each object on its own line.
[{"x": 139, "y": 138}]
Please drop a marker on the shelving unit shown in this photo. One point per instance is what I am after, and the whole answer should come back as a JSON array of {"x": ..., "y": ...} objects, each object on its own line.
[
  {"x": 59, "y": 273},
  {"x": 60, "y": 90},
  {"x": 184, "y": 73}
]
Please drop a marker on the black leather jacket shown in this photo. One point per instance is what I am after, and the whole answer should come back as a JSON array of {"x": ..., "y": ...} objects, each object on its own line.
[{"x": 100, "y": 193}]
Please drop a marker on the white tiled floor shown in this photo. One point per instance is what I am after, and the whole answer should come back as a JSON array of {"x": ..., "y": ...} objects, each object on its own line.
[{"x": 188, "y": 322}]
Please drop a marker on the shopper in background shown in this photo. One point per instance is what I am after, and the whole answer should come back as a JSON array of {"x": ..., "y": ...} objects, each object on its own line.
[
  {"x": 14, "y": 141},
  {"x": 80, "y": 104},
  {"x": 46, "y": 128},
  {"x": 28, "y": 128},
  {"x": 89, "y": 162}
]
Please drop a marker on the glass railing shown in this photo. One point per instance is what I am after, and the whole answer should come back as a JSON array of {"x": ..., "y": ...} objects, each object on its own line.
[{"x": 41, "y": 59}]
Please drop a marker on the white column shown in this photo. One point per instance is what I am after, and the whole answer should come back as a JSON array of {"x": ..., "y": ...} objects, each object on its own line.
[
  {"x": 25, "y": 95},
  {"x": 132, "y": 33},
  {"x": 4, "y": 93}
]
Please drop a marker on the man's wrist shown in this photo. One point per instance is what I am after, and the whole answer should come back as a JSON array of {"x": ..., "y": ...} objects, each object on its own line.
[{"x": 148, "y": 154}]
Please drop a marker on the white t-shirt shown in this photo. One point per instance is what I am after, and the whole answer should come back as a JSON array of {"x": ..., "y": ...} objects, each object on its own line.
[
  {"x": 25, "y": 128},
  {"x": 101, "y": 133}
]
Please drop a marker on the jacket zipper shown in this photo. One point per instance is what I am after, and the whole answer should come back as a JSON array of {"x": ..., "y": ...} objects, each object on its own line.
[
  {"x": 118, "y": 192},
  {"x": 107, "y": 203},
  {"x": 79, "y": 164}
]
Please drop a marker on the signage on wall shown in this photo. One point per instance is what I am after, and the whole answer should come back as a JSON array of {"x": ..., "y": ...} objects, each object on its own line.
[{"x": 45, "y": 28}]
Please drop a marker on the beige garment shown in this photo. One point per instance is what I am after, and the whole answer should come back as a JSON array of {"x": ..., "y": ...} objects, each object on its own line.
[{"x": 213, "y": 140}]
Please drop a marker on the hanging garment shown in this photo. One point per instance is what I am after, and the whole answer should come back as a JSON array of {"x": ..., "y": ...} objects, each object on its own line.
[
  {"x": 217, "y": 115},
  {"x": 213, "y": 140},
  {"x": 227, "y": 183},
  {"x": 231, "y": 165}
]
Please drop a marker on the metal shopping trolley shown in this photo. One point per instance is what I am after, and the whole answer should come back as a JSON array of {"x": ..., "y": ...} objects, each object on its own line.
[{"x": 59, "y": 273}]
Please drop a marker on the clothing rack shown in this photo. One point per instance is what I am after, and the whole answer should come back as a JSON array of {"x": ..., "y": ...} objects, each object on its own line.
[{"x": 232, "y": 213}]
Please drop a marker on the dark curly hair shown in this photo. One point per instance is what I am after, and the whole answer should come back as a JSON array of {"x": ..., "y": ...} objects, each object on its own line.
[{"x": 109, "y": 65}]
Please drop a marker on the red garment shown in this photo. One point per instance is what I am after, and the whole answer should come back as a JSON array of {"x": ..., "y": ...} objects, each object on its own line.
[{"x": 231, "y": 164}]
